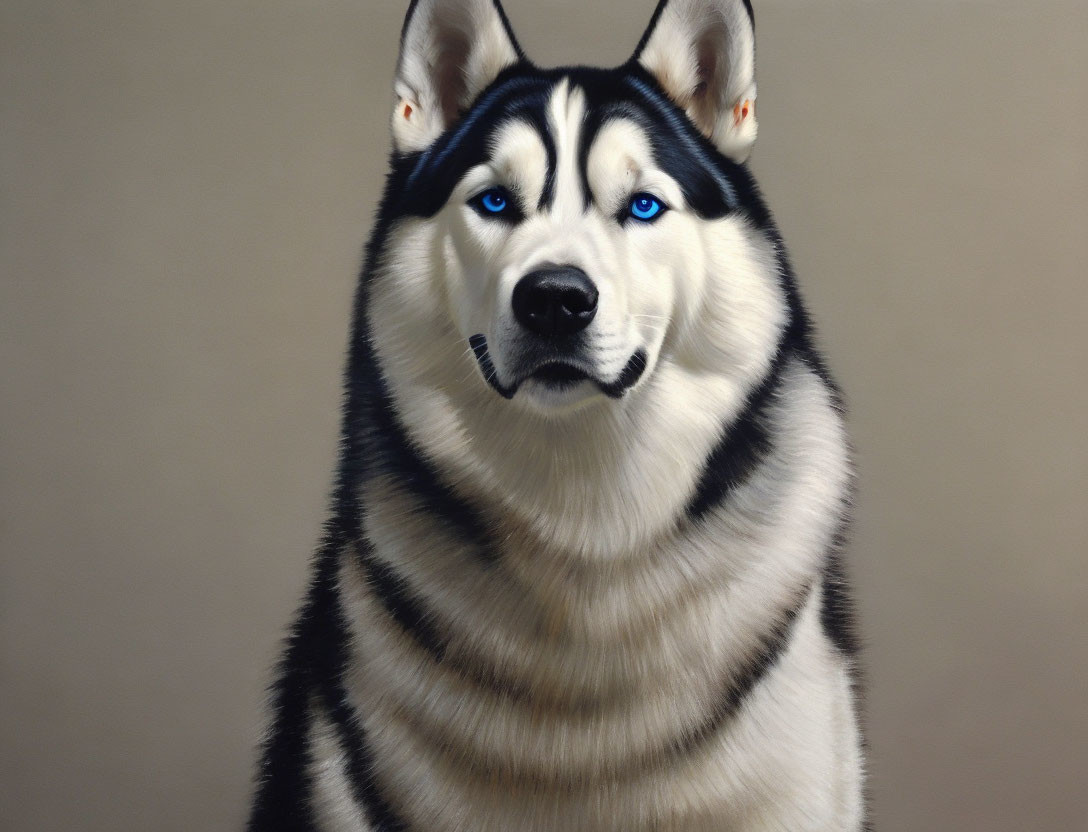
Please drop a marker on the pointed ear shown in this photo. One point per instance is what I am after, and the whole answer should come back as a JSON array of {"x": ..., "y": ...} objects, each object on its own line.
[
  {"x": 702, "y": 53},
  {"x": 450, "y": 51}
]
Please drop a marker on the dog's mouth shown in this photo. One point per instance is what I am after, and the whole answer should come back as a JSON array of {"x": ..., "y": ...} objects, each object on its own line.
[{"x": 558, "y": 376}]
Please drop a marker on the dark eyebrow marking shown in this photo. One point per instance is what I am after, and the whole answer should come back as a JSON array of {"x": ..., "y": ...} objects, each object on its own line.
[
  {"x": 538, "y": 120},
  {"x": 677, "y": 146},
  {"x": 598, "y": 118},
  {"x": 713, "y": 187},
  {"x": 426, "y": 178},
  {"x": 439, "y": 153},
  {"x": 680, "y": 131}
]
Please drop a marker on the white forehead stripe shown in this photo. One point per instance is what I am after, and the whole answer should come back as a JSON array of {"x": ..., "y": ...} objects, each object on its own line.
[{"x": 566, "y": 113}]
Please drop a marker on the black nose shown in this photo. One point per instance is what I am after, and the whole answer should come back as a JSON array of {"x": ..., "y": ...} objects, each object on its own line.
[{"x": 555, "y": 301}]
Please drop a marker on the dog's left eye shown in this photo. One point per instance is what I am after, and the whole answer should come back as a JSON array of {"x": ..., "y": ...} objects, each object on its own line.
[
  {"x": 494, "y": 202},
  {"x": 646, "y": 207}
]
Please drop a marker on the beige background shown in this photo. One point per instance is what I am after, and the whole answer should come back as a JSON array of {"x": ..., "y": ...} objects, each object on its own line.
[{"x": 186, "y": 189}]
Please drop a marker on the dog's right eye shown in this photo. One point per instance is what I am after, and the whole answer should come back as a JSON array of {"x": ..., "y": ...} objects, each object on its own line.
[
  {"x": 495, "y": 203},
  {"x": 646, "y": 207}
]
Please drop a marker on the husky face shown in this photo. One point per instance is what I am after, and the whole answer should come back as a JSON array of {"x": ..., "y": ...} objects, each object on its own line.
[
  {"x": 564, "y": 293},
  {"x": 574, "y": 283},
  {"x": 583, "y": 228}
]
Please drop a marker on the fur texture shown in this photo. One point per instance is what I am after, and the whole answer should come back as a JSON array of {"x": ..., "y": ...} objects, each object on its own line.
[{"x": 604, "y": 597}]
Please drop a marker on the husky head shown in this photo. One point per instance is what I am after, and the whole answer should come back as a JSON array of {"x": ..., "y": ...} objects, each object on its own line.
[{"x": 571, "y": 255}]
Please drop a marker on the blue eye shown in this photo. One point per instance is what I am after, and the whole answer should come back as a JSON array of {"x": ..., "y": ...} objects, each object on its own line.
[
  {"x": 494, "y": 201},
  {"x": 645, "y": 207},
  {"x": 497, "y": 204}
]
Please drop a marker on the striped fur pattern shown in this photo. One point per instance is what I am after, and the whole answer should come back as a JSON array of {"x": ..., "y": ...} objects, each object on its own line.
[{"x": 613, "y": 603}]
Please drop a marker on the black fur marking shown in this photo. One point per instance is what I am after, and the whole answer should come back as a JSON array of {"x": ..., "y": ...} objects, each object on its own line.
[
  {"x": 392, "y": 452},
  {"x": 741, "y": 683},
  {"x": 282, "y": 799},
  {"x": 402, "y": 605},
  {"x": 479, "y": 349},
  {"x": 769, "y": 651},
  {"x": 352, "y": 736},
  {"x": 656, "y": 19},
  {"x": 683, "y": 152},
  {"x": 510, "y": 29},
  {"x": 539, "y": 120},
  {"x": 360, "y": 764},
  {"x": 650, "y": 29},
  {"x": 312, "y": 672},
  {"x": 679, "y": 148},
  {"x": 410, "y": 14},
  {"x": 628, "y": 378},
  {"x": 744, "y": 445},
  {"x": 408, "y": 611},
  {"x": 838, "y": 619},
  {"x": 837, "y": 614},
  {"x": 427, "y": 177}
]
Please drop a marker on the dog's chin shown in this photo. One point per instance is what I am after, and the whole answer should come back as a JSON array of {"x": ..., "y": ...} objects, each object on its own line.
[{"x": 555, "y": 388}]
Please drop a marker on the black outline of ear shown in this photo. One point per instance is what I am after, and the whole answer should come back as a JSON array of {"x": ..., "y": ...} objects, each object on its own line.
[
  {"x": 656, "y": 18},
  {"x": 502, "y": 18}
]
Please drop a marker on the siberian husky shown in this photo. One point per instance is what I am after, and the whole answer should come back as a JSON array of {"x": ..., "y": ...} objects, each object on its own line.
[{"x": 581, "y": 571}]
